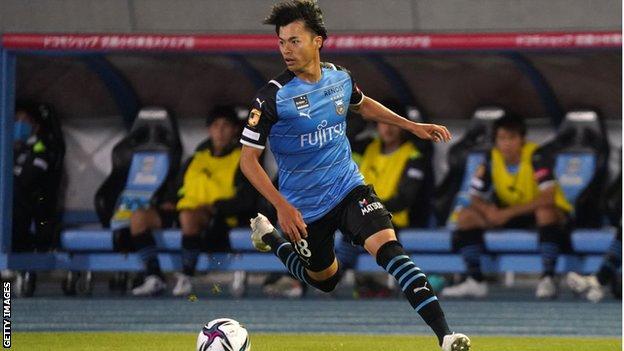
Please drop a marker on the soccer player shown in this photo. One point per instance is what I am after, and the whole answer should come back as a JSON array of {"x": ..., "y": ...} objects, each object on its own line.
[
  {"x": 302, "y": 114},
  {"x": 507, "y": 192}
]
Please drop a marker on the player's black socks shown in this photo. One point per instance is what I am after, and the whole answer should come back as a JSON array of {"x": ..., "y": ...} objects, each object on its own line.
[
  {"x": 414, "y": 285},
  {"x": 612, "y": 261},
  {"x": 550, "y": 237},
  {"x": 285, "y": 252},
  {"x": 190, "y": 253},
  {"x": 146, "y": 248},
  {"x": 470, "y": 245}
]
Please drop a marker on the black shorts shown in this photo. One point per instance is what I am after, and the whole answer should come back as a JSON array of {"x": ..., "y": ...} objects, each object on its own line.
[
  {"x": 528, "y": 222},
  {"x": 167, "y": 218},
  {"x": 358, "y": 216},
  {"x": 521, "y": 222}
]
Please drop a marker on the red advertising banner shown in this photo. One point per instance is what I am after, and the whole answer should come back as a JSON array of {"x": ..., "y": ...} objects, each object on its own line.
[{"x": 335, "y": 43}]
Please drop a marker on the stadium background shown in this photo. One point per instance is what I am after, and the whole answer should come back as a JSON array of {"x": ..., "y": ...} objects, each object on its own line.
[{"x": 190, "y": 82}]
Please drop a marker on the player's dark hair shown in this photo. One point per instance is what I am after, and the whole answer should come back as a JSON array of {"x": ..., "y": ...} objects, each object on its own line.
[
  {"x": 30, "y": 108},
  {"x": 223, "y": 111},
  {"x": 511, "y": 122},
  {"x": 290, "y": 11}
]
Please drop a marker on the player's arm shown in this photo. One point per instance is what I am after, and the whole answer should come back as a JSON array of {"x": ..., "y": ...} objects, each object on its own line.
[
  {"x": 481, "y": 189},
  {"x": 522, "y": 209},
  {"x": 289, "y": 218},
  {"x": 262, "y": 116},
  {"x": 372, "y": 110},
  {"x": 545, "y": 178},
  {"x": 546, "y": 183},
  {"x": 503, "y": 215},
  {"x": 33, "y": 170},
  {"x": 545, "y": 197}
]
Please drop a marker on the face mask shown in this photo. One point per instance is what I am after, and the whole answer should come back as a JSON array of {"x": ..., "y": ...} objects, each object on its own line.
[{"x": 21, "y": 130}]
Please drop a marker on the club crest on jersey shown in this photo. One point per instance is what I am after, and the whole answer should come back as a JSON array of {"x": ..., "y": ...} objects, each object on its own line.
[
  {"x": 366, "y": 207},
  {"x": 254, "y": 117},
  {"x": 340, "y": 107},
  {"x": 301, "y": 102}
]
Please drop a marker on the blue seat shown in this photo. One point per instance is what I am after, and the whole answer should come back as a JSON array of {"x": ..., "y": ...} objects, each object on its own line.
[
  {"x": 508, "y": 250},
  {"x": 463, "y": 159},
  {"x": 578, "y": 155}
]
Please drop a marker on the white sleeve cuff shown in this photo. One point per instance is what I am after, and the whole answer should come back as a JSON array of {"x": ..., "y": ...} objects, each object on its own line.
[{"x": 245, "y": 142}]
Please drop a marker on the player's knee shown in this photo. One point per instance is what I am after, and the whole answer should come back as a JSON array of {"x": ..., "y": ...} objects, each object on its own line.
[
  {"x": 329, "y": 284},
  {"x": 138, "y": 222},
  {"x": 469, "y": 218},
  {"x": 546, "y": 215},
  {"x": 190, "y": 223}
]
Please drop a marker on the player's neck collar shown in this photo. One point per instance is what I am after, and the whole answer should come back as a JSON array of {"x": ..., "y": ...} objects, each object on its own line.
[{"x": 303, "y": 76}]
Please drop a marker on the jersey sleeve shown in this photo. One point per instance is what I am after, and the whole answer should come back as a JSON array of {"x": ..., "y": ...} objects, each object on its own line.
[
  {"x": 481, "y": 181},
  {"x": 543, "y": 171},
  {"x": 262, "y": 116},
  {"x": 356, "y": 94}
]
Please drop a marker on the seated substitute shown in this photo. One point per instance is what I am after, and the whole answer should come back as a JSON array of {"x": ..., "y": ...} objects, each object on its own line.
[
  {"x": 208, "y": 196},
  {"x": 508, "y": 192},
  {"x": 213, "y": 195},
  {"x": 37, "y": 161}
]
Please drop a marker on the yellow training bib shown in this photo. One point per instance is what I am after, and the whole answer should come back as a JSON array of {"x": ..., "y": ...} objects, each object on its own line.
[
  {"x": 384, "y": 172},
  {"x": 208, "y": 179},
  {"x": 521, "y": 187}
]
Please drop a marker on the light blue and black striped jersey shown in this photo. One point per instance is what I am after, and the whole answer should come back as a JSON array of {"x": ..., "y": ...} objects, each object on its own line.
[{"x": 305, "y": 125}]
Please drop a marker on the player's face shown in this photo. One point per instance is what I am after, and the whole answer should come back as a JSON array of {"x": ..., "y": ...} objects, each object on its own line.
[
  {"x": 24, "y": 127},
  {"x": 509, "y": 143},
  {"x": 222, "y": 132},
  {"x": 388, "y": 133},
  {"x": 299, "y": 46}
]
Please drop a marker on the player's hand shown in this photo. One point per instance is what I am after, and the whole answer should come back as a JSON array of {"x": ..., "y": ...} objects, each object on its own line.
[
  {"x": 291, "y": 222},
  {"x": 433, "y": 132}
]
